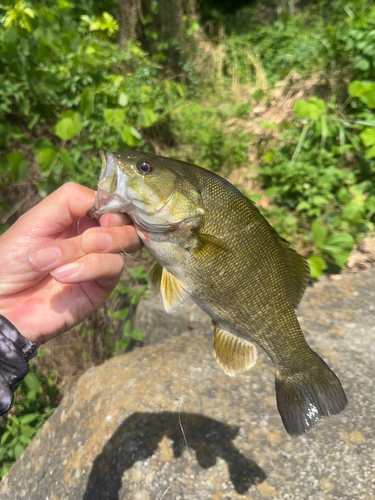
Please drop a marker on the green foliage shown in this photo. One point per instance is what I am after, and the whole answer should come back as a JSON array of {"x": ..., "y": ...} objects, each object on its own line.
[
  {"x": 312, "y": 177},
  {"x": 34, "y": 403},
  {"x": 130, "y": 296},
  {"x": 336, "y": 246},
  {"x": 67, "y": 90},
  {"x": 203, "y": 138}
]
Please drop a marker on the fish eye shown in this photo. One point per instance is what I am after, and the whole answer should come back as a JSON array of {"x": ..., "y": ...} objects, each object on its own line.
[{"x": 145, "y": 167}]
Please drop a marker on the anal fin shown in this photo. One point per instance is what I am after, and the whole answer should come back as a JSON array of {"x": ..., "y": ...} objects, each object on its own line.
[{"x": 233, "y": 355}]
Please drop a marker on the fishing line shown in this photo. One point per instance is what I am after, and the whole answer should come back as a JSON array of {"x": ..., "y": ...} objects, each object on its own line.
[
  {"x": 166, "y": 491},
  {"x": 79, "y": 220},
  {"x": 126, "y": 253},
  {"x": 179, "y": 421}
]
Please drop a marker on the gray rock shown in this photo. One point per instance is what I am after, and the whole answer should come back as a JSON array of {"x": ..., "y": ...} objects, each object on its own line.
[
  {"x": 164, "y": 422},
  {"x": 157, "y": 325}
]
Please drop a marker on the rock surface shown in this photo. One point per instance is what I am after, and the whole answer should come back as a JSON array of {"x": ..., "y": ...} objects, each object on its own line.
[
  {"x": 164, "y": 422},
  {"x": 158, "y": 326}
]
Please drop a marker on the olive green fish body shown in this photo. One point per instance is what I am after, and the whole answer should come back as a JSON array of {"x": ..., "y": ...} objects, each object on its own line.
[{"x": 212, "y": 243}]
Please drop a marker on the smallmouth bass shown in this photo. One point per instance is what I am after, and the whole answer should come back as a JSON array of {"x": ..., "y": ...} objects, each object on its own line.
[{"x": 212, "y": 244}]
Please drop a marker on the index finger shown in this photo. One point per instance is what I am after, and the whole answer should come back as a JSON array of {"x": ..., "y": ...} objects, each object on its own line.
[{"x": 58, "y": 210}]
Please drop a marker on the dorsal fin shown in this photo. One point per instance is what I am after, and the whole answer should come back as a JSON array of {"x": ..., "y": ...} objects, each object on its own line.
[
  {"x": 299, "y": 269},
  {"x": 299, "y": 274},
  {"x": 233, "y": 355}
]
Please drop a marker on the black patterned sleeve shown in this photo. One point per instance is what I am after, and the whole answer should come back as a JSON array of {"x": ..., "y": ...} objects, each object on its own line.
[{"x": 15, "y": 352}]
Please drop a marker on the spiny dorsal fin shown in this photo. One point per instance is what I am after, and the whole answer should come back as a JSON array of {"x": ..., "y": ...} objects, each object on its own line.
[{"x": 233, "y": 354}]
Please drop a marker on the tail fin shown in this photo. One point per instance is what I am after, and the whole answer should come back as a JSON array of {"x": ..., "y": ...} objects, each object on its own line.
[{"x": 304, "y": 397}]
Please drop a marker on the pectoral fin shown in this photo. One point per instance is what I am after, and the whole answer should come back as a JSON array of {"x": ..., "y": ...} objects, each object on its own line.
[
  {"x": 154, "y": 279},
  {"x": 173, "y": 291},
  {"x": 233, "y": 354}
]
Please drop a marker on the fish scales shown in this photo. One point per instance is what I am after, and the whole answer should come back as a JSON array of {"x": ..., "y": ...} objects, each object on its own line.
[{"x": 211, "y": 243}]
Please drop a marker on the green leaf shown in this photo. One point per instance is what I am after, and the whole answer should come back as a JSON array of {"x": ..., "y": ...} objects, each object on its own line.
[
  {"x": 26, "y": 419},
  {"x": 25, "y": 439},
  {"x": 47, "y": 158},
  {"x": 115, "y": 117},
  {"x": 122, "y": 314},
  {"x": 87, "y": 102},
  {"x": 43, "y": 143},
  {"x": 18, "y": 450},
  {"x": 28, "y": 430},
  {"x": 123, "y": 99},
  {"x": 303, "y": 205},
  {"x": 130, "y": 135},
  {"x": 319, "y": 233},
  {"x": 18, "y": 165},
  {"x": 65, "y": 129},
  {"x": 137, "y": 334},
  {"x": 317, "y": 265},
  {"x": 4, "y": 437},
  {"x": 319, "y": 201},
  {"x": 365, "y": 91},
  {"x": 342, "y": 240},
  {"x": 32, "y": 382},
  {"x": 123, "y": 289},
  {"x": 148, "y": 117},
  {"x": 269, "y": 156},
  {"x": 135, "y": 133},
  {"x": 361, "y": 63},
  {"x": 138, "y": 272},
  {"x": 343, "y": 195},
  {"x": 126, "y": 329},
  {"x": 69, "y": 126},
  {"x": 66, "y": 160},
  {"x": 370, "y": 153},
  {"x": 368, "y": 136},
  {"x": 353, "y": 212},
  {"x": 309, "y": 109}
]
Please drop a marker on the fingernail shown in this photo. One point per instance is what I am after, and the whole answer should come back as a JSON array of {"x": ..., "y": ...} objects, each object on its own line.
[
  {"x": 96, "y": 241},
  {"x": 65, "y": 271},
  {"x": 44, "y": 258}
]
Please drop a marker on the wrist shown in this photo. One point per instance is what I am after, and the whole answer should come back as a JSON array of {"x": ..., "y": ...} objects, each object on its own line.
[{"x": 23, "y": 328}]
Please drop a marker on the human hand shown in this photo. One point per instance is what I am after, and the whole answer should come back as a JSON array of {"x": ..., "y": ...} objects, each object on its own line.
[{"x": 57, "y": 265}]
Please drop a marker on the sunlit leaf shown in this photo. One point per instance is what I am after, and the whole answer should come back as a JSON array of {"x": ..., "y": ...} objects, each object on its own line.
[
  {"x": 309, "y": 109},
  {"x": 115, "y": 117},
  {"x": 365, "y": 91},
  {"x": 69, "y": 126},
  {"x": 65, "y": 129},
  {"x": 123, "y": 99},
  {"x": 368, "y": 136},
  {"x": 317, "y": 265},
  {"x": 47, "y": 158},
  {"x": 319, "y": 233},
  {"x": 148, "y": 117}
]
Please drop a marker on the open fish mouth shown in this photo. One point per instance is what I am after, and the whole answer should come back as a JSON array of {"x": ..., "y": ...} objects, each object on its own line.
[{"x": 111, "y": 193}]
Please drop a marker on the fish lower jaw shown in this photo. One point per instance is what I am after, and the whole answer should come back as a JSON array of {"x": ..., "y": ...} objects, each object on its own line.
[{"x": 109, "y": 204}]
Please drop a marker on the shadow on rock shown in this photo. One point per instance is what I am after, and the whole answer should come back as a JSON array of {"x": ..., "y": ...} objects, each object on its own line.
[{"x": 138, "y": 438}]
